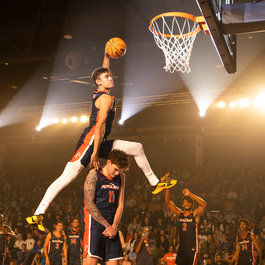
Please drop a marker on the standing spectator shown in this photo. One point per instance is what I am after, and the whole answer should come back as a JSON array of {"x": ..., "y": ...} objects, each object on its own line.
[
  {"x": 170, "y": 257},
  {"x": 144, "y": 248},
  {"x": 130, "y": 248},
  {"x": 29, "y": 242},
  {"x": 19, "y": 242}
]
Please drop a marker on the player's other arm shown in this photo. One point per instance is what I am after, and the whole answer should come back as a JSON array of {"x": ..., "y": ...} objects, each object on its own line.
[
  {"x": 257, "y": 247},
  {"x": 202, "y": 204},
  {"x": 236, "y": 254},
  {"x": 112, "y": 230},
  {"x": 104, "y": 104},
  {"x": 171, "y": 205},
  {"x": 65, "y": 249},
  {"x": 45, "y": 248},
  {"x": 89, "y": 197}
]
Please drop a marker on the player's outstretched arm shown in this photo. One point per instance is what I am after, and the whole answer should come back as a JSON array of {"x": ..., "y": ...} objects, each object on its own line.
[
  {"x": 202, "y": 204},
  {"x": 171, "y": 205},
  {"x": 257, "y": 247},
  {"x": 106, "y": 59},
  {"x": 89, "y": 197},
  {"x": 105, "y": 103}
]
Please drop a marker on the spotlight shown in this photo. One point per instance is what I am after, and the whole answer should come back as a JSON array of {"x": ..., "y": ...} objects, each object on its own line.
[
  {"x": 232, "y": 104},
  {"x": 221, "y": 104},
  {"x": 64, "y": 121},
  {"x": 38, "y": 128},
  {"x": 83, "y": 118},
  {"x": 202, "y": 113},
  {"x": 74, "y": 119},
  {"x": 245, "y": 102},
  {"x": 121, "y": 122},
  {"x": 55, "y": 120}
]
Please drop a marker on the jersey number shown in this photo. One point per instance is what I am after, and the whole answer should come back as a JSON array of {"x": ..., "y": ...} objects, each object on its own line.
[
  {"x": 111, "y": 196},
  {"x": 184, "y": 226},
  {"x": 244, "y": 247},
  {"x": 73, "y": 241},
  {"x": 57, "y": 246}
]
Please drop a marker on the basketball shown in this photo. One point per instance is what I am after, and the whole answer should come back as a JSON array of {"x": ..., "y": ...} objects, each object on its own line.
[{"x": 116, "y": 47}]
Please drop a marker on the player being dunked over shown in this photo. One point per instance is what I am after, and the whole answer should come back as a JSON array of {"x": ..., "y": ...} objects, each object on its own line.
[
  {"x": 188, "y": 221},
  {"x": 93, "y": 144}
]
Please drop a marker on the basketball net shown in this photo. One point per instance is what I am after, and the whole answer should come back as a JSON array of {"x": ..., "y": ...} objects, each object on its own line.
[{"x": 174, "y": 34}]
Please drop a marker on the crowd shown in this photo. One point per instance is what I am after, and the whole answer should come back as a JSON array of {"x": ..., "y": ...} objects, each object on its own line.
[{"x": 231, "y": 192}]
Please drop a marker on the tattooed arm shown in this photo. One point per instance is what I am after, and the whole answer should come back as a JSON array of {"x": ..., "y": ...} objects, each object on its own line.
[{"x": 89, "y": 196}]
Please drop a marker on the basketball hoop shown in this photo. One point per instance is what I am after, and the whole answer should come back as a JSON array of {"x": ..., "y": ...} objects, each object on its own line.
[{"x": 174, "y": 34}]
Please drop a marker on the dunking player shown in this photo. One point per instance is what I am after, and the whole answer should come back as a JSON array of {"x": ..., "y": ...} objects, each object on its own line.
[
  {"x": 93, "y": 143},
  {"x": 73, "y": 243},
  {"x": 4, "y": 231},
  {"x": 188, "y": 220},
  {"x": 245, "y": 246},
  {"x": 103, "y": 207},
  {"x": 54, "y": 245}
]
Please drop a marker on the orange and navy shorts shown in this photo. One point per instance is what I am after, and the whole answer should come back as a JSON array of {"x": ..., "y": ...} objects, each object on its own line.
[
  {"x": 96, "y": 245},
  {"x": 85, "y": 147}
]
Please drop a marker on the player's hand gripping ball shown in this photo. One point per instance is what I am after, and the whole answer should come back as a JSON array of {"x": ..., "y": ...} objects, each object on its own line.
[{"x": 116, "y": 48}]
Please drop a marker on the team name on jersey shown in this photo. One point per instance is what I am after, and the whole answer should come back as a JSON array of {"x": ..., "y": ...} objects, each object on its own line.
[
  {"x": 110, "y": 186},
  {"x": 185, "y": 220},
  {"x": 56, "y": 241},
  {"x": 73, "y": 236},
  {"x": 172, "y": 258},
  {"x": 243, "y": 242}
]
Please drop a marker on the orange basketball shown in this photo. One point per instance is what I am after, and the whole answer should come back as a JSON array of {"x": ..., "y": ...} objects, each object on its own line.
[{"x": 116, "y": 47}]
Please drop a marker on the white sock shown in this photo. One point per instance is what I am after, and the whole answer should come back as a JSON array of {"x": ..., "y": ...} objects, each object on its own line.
[
  {"x": 136, "y": 150},
  {"x": 70, "y": 173}
]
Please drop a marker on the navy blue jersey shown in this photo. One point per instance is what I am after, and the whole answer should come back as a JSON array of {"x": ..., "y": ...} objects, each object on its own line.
[
  {"x": 246, "y": 244},
  {"x": 188, "y": 233},
  {"x": 94, "y": 113},
  {"x": 56, "y": 246},
  {"x": 73, "y": 242},
  {"x": 106, "y": 198}
]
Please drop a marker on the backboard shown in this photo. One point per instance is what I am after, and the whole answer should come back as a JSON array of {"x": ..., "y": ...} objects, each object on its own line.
[
  {"x": 225, "y": 19},
  {"x": 225, "y": 44}
]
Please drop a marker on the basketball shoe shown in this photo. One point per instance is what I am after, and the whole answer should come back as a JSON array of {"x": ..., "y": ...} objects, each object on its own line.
[{"x": 36, "y": 220}]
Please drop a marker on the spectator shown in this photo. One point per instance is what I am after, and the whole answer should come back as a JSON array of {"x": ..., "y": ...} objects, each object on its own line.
[
  {"x": 225, "y": 245},
  {"x": 144, "y": 248},
  {"x": 170, "y": 256},
  {"x": 208, "y": 249},
  {"x": 219, "y": 260},
  {"x": 21, "y": 254},
  {"x": 130, "y": 248}
]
